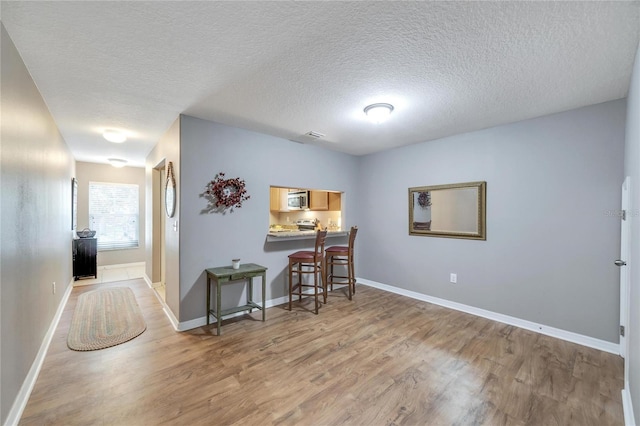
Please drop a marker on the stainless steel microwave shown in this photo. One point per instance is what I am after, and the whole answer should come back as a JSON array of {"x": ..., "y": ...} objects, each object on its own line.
[{"x": 298, "y": 200}]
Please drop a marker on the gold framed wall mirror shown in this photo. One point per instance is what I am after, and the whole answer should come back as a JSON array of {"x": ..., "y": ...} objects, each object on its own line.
[{"x": 452, "y": 211}]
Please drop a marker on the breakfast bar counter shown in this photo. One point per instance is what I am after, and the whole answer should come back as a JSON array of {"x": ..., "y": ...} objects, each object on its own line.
[{"x": 288, "y": 235}]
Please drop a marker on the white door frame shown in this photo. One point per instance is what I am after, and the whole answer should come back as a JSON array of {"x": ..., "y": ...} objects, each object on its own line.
[
  {"x": 625, "y": 230},
  {"x": 158, "y": 224}
]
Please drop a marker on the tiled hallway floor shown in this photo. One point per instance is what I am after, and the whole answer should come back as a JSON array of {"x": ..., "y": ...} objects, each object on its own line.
[
  {"x": 112, "y": 273},
  {"x": 107, "y": 274}
]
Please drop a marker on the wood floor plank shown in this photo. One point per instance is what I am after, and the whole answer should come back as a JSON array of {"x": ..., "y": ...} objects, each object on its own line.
[{"x": 381, "y": 359}]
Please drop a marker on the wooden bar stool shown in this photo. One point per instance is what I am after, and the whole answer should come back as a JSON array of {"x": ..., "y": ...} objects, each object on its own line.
[
  {"x": 341, "y": 256},
  {"x": 307, "y": 263}
]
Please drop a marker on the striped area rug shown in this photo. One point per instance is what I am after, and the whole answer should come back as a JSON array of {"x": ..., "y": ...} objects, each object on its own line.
[{"x": 104, "y": 318}]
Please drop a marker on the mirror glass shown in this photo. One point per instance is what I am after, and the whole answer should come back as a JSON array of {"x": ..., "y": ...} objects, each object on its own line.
[
  {"x": 453, "y": 211},
  {"x": 170, "y": 192},
  {"x": 170, "y": 199}
]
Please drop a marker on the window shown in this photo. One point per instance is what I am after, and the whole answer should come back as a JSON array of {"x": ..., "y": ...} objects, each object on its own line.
[{"x": 114, "y": 214}]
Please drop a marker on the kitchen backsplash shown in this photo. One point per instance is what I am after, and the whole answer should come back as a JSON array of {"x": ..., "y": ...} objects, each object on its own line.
[{"x": 324, "y": 217}]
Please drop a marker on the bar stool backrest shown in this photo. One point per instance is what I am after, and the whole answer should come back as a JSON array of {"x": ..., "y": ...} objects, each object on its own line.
[
  {"x": 352, "y": 238},
  {"x": 321, "y": 236}
]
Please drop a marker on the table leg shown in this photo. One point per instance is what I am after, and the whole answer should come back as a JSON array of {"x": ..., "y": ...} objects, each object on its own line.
[
  {"x": 218, "y": 305},
  {"x": 264, "y": 295},
  {"x": 250, "y": 294},
  {"x": 208, "y": 297}
]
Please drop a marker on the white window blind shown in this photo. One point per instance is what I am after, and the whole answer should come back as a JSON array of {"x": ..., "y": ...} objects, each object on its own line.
[{"x": 114, "y": 214}]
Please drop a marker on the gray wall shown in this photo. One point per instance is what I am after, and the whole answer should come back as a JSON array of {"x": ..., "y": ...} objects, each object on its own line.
[
  {"x": 35, "y": 215},
  {"x": 92, "y": 172},
  {"x": 208, "y": 240},
  {"x": 632, "y": 168},
  {"x": 550, "y": 246}
]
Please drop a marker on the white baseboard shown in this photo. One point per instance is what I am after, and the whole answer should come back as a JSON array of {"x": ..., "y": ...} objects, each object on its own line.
[
  {"x": 178, "y": 326},
  {"x": 147, "y": 280},
  {"x": 505, "y": 319},
  {"x": 172, "y": 318},
  {"x": 165, "y": 307},
  {"x": 29, "y": 382},
  {"x": 627, "y": 406},
  {"x": 569, "y": 336},
  {"x": 199, "y": 322}
]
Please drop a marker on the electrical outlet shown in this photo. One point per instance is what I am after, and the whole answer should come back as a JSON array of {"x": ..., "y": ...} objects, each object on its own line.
[
  {"x": 453, "y": 278},
  {"x": 54, "y": 287}
]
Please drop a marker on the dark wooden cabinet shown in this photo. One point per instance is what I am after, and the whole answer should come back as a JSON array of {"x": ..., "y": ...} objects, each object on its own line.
[{"x": 85, "y": 251}]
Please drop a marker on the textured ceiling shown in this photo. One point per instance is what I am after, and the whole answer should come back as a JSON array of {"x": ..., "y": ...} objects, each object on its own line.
[{"x": 285, "y": 68}]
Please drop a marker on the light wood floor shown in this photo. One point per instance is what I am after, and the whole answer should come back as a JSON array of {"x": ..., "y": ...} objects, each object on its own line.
[{"x": 381, "y": 359}]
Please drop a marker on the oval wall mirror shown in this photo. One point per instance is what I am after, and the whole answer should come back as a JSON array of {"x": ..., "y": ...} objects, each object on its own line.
[{"x": 170, "y": 192}]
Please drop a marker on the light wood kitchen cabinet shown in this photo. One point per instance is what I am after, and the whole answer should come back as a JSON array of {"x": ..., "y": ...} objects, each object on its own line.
[
  {"x": 335, "y": 201},
  {"x": 278, "y": 200},
  {"x": 318, "y": 200},
  {"x": 324, "y": 200},
  {"x": 274, "y": 199}
]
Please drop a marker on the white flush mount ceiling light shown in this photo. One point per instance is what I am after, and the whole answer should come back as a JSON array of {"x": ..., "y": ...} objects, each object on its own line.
[
  {"x": 378, "y": 113},
  {"x": 114, "y": 136},
  {"x": 117, "y": 162}
]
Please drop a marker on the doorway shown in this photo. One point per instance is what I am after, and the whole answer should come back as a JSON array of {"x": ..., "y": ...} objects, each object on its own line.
[{"x": 159, "y": 232}]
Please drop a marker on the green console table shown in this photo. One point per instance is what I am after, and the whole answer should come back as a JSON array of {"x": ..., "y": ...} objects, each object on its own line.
[{"x": 225, "y": 275}]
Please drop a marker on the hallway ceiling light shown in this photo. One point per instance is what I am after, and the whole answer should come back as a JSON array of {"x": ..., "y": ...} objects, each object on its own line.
[
  {"x": 378, "y": 113},
  {"x": 117, "y": 162},
  {"x": 114, "y": 136}
]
